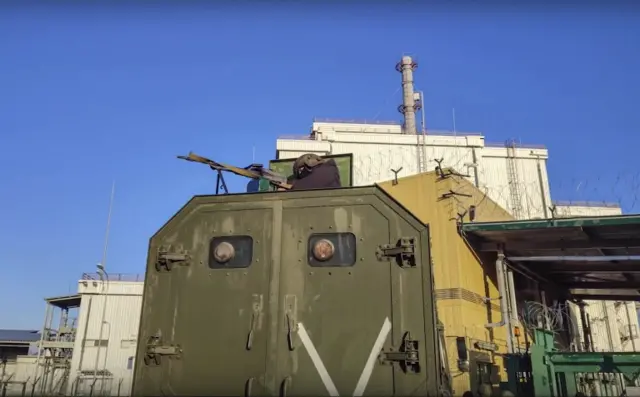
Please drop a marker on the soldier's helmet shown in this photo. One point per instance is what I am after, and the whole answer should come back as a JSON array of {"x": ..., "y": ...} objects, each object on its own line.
[{"x": 305, "y": 163}]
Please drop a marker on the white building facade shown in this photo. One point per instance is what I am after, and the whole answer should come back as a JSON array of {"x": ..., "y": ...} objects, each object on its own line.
[
  {"x": 512, "y": 174},
  {"x": 106, "y": 336}
]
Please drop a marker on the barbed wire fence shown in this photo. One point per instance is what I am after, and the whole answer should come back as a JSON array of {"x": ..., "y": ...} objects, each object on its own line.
[{"x": 607, "y": 194}]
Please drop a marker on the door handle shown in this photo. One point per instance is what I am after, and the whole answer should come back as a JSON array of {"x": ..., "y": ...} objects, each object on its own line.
[
  {"x": 284, "y": 388},
  {"x": 255, "y": 319},
  {"x": 252, "y": 329},
  {"x": 248, "y": 387},
  {"x": 290, "y": 318}
]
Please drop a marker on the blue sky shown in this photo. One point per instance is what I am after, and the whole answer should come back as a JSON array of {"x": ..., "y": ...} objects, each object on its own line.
[{"x": 89, "y": 95}]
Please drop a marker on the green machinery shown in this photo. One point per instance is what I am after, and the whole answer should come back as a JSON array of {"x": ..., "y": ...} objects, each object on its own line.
[{"x": 547, "y": 372}]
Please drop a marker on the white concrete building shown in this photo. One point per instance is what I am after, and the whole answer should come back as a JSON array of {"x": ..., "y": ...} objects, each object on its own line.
[
  {"x": 91, "y": 350},
  {"x": 106, "y": 336},
  {"x": 512, "y": 174}
]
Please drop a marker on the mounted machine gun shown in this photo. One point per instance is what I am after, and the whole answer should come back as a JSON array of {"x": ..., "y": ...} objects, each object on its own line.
[{"x": 253, "y": 171}]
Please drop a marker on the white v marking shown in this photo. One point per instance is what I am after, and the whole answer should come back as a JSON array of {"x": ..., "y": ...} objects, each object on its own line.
[{"x": 366, "y": 371}]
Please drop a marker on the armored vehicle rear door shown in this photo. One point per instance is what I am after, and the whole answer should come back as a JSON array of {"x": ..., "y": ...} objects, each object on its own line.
[
  {"x": 355, "y": 297},
  {"x": 203, "y": 326}
]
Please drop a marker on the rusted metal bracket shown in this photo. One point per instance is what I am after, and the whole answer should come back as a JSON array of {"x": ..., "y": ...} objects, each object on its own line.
[
  {"x": 452, "y": 193},
  {"x": 166, "y": 259},
  {"x": 156, "y": 350},
  {"x": 407, "y": 356},
  {"x": 395, "y": 175},
  {"x": 404, "y": 252}
]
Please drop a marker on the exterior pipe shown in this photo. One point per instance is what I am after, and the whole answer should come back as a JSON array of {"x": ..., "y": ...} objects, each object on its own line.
[
  {"x": 512, "y": 297},
  {"x": 504, "y": 308}
]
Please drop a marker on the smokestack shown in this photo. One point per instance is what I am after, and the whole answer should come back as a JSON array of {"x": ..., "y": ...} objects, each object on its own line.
[{"x": 406, "y": 66}]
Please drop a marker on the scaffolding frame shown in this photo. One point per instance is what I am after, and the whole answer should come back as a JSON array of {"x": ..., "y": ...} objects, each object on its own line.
[{"x": 55, "y": 348}]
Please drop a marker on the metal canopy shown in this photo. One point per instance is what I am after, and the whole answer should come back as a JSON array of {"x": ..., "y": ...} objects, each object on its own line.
[
  {"x": 65, "y": 302},
  {"x": 591, "y": 257}
]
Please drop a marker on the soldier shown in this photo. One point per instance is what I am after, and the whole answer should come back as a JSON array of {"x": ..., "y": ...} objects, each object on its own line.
[{"x": 311, "y": 171}]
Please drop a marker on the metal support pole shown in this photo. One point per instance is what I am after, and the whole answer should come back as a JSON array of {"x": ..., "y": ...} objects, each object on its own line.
[
  {"x": 504, "y": 301},
  {"x": 104, "y": 365},
  {"x": 513, "y": 307},
  {"x": 605, "y": 309},
  {"x": 631, "y": 337},
  {"x": 585, "y": 327}
]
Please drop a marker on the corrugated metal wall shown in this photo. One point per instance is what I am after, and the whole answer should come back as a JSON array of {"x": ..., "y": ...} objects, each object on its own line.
[{"x": 120, "y": 331}]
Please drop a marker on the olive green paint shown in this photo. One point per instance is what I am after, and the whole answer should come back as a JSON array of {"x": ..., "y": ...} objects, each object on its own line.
[{"x": 211, "y": 314}]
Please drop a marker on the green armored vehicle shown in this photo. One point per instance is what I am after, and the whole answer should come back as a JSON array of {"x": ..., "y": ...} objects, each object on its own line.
[{"x": 289, "y": 293}]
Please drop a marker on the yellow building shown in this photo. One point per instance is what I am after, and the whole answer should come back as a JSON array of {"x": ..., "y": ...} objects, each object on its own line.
[{"x": 462, "y": 279}]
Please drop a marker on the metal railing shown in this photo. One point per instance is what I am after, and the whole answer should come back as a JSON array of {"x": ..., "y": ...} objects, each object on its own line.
[
  {"x": 355, "y": 121},
  {"x": 606, "y": 204},
  {"x": 297, "y": 137},
  {"x": 516, "y": 145},
  {"x": 115, "y": 276},
  {"x": 310, "y": 137}
]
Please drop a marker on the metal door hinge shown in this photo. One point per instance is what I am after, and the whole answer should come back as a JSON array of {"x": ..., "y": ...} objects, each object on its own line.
[
  {"x": 156, "y": 350},
  {"x": 407, "y": 356},
  {"x": 166, "y": 259},
  {"x": 404, "y": 252}
]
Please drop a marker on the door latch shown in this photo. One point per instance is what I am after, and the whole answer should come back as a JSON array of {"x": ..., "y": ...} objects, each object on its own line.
[
  {"x": 407, "y": 356},
  {"x": 404, "y": 252},
  {"x": 166, "y": 259},
  {"x": 156, "y": 350}
]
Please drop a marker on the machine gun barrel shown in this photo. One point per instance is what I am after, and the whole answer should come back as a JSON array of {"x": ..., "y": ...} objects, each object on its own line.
[{"x": 253, "y": 171}]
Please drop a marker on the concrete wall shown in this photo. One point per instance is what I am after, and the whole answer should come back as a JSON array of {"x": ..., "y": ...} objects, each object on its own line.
[
  {"x": 614, "y": 326},
  {"x": 21, "y": 369},
  {"x": 570, "y": 210}
]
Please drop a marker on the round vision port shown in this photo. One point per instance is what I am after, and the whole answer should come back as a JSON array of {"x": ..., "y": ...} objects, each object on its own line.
[
  {"x": 323, "y": 250},
  {"x": 224, "y": 252}
]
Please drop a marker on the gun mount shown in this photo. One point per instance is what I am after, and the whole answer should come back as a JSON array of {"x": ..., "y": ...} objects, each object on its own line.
[{"x": 253, "y": 171}]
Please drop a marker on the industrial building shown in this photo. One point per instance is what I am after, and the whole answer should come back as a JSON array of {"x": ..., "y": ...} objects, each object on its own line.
[
  {"x": 88, "y": 341},
  {"x": 512, "y": 174},
  {"x": 93, "y": 352}
]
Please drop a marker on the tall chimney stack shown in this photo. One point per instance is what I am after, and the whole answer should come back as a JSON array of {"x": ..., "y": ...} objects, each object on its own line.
[{"x": 406, "y": 66}]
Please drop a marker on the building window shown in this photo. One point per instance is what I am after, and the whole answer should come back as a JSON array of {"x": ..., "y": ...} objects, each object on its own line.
[
  {"x": 127, "y": 343},
  {"x": 96, "y": 342},
  {"x": 130, "y": 363}
]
